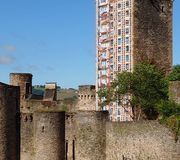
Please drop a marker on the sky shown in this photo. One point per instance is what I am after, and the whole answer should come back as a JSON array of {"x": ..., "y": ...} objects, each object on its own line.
[{"x": 55, "y": 40}]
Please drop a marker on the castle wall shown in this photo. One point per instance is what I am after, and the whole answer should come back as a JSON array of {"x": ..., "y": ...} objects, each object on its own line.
[
  {"x": 27, "y": 147},
  {"x": 49, "y": 135},
  {"x": 88, "y": 140},
  {"x": 152, "y": 33},
  {"x": 70, "y": 131},
  {"x": 32, "y": 105},
  {"x": 174, "y": 91},
  {"x": 9, "y": 123},
  {"x": 140, "y": 141}
]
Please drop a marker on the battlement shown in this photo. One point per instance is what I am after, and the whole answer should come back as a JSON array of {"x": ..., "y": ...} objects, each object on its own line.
[
  {"x": 86, "y": 92},
  {"x": 86, "y": 97}
]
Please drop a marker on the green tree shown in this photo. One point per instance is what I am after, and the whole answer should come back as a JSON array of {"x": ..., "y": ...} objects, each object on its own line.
[
  {"x": 175, "y": 74},
  {"x": 145, "y": 85},
  {"x": 149, "y": 87},
  {"x": 105, "y": 96}
]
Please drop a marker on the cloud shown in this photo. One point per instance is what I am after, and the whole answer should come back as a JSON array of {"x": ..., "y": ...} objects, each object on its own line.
[
  {"x": 26, "y": 68},
  {"x": 32, "y": 67},
  {"x": 18, "y": 68},
  {"x": 5, "y": 59},
  {"x": 9, "y": 48},
  {"x": 49, "y": 68}
]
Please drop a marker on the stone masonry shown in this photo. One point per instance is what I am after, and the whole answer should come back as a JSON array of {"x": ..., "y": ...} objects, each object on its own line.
[
  {"x": 48, "y": 134},
  {"x": 9, "y": 123},
  {"x": 152, "y": 33},
  {"x": 87, "y": 98}
]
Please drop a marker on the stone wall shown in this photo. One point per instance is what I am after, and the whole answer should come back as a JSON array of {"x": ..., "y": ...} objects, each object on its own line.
[
  {"x": 9, "y": 123},
  {"x": 27, "y": 146},
  {"x": 152, "y": 33},
  {"x": 32, "y": 105},
  {"x": 86, "y": 135},
  {"x": 49, "y": 135},
  {"x": 174, "y": 91},
  {"x": 146, "y": 140}
]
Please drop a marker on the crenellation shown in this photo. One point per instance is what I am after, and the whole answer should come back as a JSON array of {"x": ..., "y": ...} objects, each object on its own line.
[{"x": 87, "y": 98}]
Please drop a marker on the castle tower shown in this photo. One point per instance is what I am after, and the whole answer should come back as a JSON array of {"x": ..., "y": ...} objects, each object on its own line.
[
  {"x": 9, "y": 123},
  {"x": 128, "y": 32},
  {"x": 24, "y": 80},
  {"x": 87, "y": 98},
  {"x": 49, "y": 135},
  {"x": 50, "y": 93}
]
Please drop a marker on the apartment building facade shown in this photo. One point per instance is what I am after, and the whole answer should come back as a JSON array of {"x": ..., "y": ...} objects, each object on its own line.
[{"x": 127, "y": 32}]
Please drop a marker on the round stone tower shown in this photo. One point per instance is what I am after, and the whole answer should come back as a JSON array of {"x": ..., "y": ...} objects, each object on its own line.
[
  {"x": 90, "y": 135},
  {"x": 24, "y": 81},
  {"x": 9, "y": 123},
  {"x": 49, "y": 135}
]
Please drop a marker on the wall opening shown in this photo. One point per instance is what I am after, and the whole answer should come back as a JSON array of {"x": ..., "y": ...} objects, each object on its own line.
[
  {"x": 66, "y": 149},
  {"x": 73, "y": 149},
  {"x": 28, "y": 89}
]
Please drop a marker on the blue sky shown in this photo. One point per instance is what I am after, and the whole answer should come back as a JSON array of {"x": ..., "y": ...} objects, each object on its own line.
[{"x": 54, "y": 40}]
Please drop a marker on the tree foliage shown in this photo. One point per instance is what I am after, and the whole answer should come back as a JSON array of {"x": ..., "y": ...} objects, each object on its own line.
[
  {"x": 146, "y": 86},
  {"x": 175, "y": 74},
  {"x": 169, "y": 114}
]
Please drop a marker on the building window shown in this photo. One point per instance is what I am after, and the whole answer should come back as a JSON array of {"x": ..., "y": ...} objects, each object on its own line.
[
  {"x": 119, "y": 32},
  {"x": 127, "y": 30},
  {"x": 104, "y": 55},
  {"x": 127, "y": 4},
  {"x": 119, "y": 58},
  {"x": 111, "y": 60},
  {"x": 102, "y": 1},
  {"x": 111, "y": 16},
  {"x": 119, "y": 16},
  {"x": 119, "y": 111},
  {"x": 119, "y": 5},
  {"x": 111, "y": 43},
  {"x": 127, "y": 48},
  {"x": 127, "y": 13},
  {"x": 119, "y": 41},
  {"x": 103, "y": 64},
  {"x": 127, "y": 66},
  {"x": 111, "y": 50},
  {"x": 119, "y": 67},
  {"x": 119, "y": 49},
  {"x": 111, "y": 67},
  {"x": 127, "y": 40},
  {"x": 127, "y": 58},
  {"x": 127, "y": 22},
  {"x": 103, "y": 72},
  {"x": 111, "y": 111}
]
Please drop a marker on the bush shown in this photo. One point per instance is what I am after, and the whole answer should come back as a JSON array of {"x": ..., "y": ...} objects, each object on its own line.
[
  {"x": 175, "y": 74},
  {"x": 167, "y": 109},
  {"x": 170, "y": 116}
]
